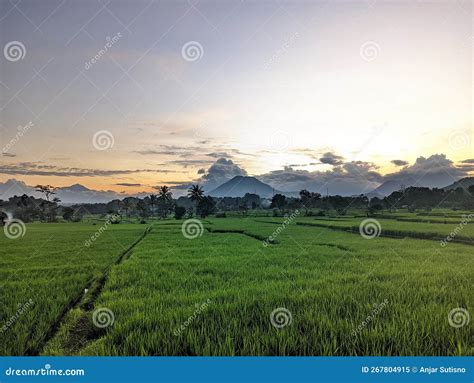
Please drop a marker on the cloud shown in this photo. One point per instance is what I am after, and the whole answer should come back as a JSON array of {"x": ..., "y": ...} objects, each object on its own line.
[
  {"x": 39, "y": 169},
  {"x": 469, "y": 161},
  {"x": 399, "y": 162},
  {"x": 303, "y": 165},
  {"x": 11, "y": 155},
  {"x": 127, "y": 184},
  {"x": 170, "y": 150},
  {"x": 331, "y": 159},
  {"x": 349, "y": 178},
  {"x": 183, "y": 186},
  {"x": 433, "y": 171},
  {"x": 306, "y": 151},
  {"x": 201, "y": 171},
  {"x": 219, "y": 155},
  {"x": 186, "y": 163},
  {"x": 466, "y": 167},
  {"x": 219, "y": 172}
]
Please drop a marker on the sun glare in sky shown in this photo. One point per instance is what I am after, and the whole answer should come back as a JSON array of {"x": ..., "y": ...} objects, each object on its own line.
[{"x": 175, "y": 86}]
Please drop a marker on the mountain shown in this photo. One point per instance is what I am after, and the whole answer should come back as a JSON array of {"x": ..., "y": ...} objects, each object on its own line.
[
  {"x": 75, "y": 188},
  {"x": 80, "y": 194},
  {"x": 462, "y": 183},
  {"x": 428, "y": 180},
  {"x": 387, "y": 188},
  {"x": 68, "y": 195},
  {"x": 13, "y": 187},
  {"x": 240, "y": 185}
]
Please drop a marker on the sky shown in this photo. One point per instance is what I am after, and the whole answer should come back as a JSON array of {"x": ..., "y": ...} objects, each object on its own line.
[{"x": 125, "y": 96}]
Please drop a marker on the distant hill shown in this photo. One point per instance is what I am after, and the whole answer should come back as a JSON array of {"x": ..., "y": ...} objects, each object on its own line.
[
  {"x": 240, "y": 185},
  {"x": 430, "y": 181},
  {"x": 462, "y": 183},
  {"x": 384, "y": 190},
  {"x": 13, "y": 187},
  {"x": 75, "y": 188},
  {"x": 80, "y": 194},
  {"x": 68, "y": 195}
]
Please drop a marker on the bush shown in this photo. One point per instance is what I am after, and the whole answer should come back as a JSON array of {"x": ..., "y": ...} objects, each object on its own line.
[
  {"x": 179, "y": 212},
  {"x": 114, "y": 218},
  {"x": 220, "y": 214}
]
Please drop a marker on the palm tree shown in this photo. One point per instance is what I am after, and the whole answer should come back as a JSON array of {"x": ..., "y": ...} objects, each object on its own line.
[
  {"x": 153, "y": 198},
  {"x": 127, "y": 206},
  {"x": 164, "y": 193},
  {"x": 196, "y": 193},
  {"x": 165, "y": 201}
]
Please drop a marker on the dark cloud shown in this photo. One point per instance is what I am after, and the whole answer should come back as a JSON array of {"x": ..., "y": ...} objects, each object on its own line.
[
  {"x": 146, "y": 152},
  {"x": 469, "y": 161},
  {"x": 201, "y": 171},
  {"x": 350, "y": 178},
  {"x": 191, "y": 152},
  {"x": 303, "y": 165},
  {"x": 127, "y": 184},
  {"x": 11, "y": 155},
  {"x": 183, "y": 186},
  {"x": 186, "y": 163},
  {"x": 219, "y": 155},
  {"x": 399, "y": 162},
  {"x": 433, "y": 171},
  {"x": 219, "y": 172},
  {"x": 39, "y": 169},
  {"x": 170, "y": 150},
  {"x": 466, "y": 167},
  {"x": 331, "y": 159},
  {"x": 345, "y": 178}
]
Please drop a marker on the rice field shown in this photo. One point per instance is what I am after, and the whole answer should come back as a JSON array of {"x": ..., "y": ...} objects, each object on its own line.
[
  {"x": 406, "y": 227},
  {"x": 45, "y": 271},
  {"x": 227, "y": 291}
]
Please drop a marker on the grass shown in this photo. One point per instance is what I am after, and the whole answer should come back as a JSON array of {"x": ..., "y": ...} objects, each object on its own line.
[
  {"x": 397, "y": 228},
  {"x": 214, "y": 295},
  {"x": 51, "y": 266}
]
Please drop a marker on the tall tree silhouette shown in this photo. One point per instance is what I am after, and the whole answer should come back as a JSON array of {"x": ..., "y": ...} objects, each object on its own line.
[{"x": 195, "y": 193}]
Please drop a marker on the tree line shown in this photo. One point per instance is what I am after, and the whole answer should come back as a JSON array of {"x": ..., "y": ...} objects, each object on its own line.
[{"x": 162, "y": 204}]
